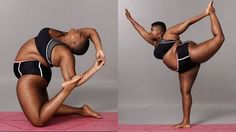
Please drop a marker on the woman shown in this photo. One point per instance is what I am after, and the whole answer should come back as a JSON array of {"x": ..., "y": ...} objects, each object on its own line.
[
  {"x": 33, "y": 65},
  {"x": 183, "y": 57}
]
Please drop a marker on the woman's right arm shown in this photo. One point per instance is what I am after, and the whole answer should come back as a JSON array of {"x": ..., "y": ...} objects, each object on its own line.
[
  {"x": 99, "y": 63},
  {"x": 67, "y": 65},
  {"x": 145, "y": 35}
]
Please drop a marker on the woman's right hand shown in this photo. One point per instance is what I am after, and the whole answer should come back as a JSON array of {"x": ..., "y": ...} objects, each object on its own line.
[
  {"x": 128, "y": 15},
  {"x": 210, "y": 9},
  {"x": 99, "y": 63}
]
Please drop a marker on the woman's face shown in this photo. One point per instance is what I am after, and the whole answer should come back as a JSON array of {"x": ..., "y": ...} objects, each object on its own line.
[{"x": 155, "y": 31}]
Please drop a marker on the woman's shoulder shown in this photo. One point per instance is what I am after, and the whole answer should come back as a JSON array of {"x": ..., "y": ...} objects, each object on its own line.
[
  {"x": 170, "y": 36},
  {"x": 56, "y": 33}
]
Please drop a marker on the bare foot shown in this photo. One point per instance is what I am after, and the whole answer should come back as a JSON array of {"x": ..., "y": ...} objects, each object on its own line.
[
  {"x": 87, "y": 111},
  {"x": 182, "y": 125},
  {"x": 72, "y": 83}
]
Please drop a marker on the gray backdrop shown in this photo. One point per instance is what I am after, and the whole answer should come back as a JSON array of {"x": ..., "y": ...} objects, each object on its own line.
[
  {"x": 148, "y": 90},
  {"x": 22, "y": 20}
]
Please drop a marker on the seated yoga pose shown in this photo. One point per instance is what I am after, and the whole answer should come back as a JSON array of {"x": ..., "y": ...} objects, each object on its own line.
[
  {"x": 184, "y": 57},
  {"x": 33, "y": 65}
]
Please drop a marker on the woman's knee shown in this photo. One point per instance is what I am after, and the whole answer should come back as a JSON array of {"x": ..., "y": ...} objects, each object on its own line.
[
  {"x": 37, "y": 122},
  {"x": 186, "y": 92}
]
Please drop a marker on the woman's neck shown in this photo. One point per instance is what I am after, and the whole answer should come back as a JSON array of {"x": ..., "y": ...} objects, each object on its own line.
[{"x": 64, "y": 39}]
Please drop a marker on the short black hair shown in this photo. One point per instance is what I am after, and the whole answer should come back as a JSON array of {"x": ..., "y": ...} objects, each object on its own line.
[
  {"x": 160, "y": 24},
  {"x": 81, "y": 49}
]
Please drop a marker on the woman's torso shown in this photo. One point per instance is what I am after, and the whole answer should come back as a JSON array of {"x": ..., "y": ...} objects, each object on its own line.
[
  {"x": 169, "y": 57},
  {"x": 28, "y": 51},
  {"x": 33, "y": 48}
]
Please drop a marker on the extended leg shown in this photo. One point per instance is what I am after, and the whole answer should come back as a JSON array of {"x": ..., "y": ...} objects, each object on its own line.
[
  {"x": 205, "y": 50},
  {"x": 186, "y": 82}
]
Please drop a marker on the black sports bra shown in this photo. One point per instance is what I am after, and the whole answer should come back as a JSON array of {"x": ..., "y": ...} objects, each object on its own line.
[
  {"x": 162, "y": 48},
  {"x": 45, "y": 44}
]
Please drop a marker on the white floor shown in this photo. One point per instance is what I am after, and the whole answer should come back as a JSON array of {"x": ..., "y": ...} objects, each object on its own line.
[{"x": 201, "y": 114}]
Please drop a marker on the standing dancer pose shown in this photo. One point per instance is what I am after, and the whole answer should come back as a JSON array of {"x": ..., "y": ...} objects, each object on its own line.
[
  {"x": 33, "y": 65},
  {"x": 183, "y": 57}
]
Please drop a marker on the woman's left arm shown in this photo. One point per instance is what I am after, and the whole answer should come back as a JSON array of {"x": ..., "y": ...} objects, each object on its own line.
[{"x": 93, "y": 35}]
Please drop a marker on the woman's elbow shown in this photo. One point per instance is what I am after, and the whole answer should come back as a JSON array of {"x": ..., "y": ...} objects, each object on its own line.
[{"x": 92, "y": 30}]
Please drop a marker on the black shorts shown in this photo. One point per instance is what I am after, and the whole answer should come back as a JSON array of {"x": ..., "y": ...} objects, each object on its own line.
[
  {"x": 32, "y": 67},
  {"x": 184, "y": 61}
]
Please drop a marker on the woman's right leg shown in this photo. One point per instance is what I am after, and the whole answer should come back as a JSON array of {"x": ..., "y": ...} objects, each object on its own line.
[
  {"x": 205, "y": 50},
  {"x": 30, "y": 95}
]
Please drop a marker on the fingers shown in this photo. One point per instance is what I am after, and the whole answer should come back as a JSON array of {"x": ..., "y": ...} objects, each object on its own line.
[
  {"x": 101, "y": 62},
  {"x": 127, "y": 13},
  {"x": 100, "y": 55}
]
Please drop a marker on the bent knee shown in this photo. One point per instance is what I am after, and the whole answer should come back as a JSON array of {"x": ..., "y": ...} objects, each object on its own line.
[{"x": 38, "y": 123}]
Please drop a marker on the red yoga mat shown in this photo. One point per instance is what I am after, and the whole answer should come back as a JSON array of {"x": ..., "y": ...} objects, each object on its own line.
[
  {"x": 167, "y": 128},
  {"x": 16, "y": 121}
]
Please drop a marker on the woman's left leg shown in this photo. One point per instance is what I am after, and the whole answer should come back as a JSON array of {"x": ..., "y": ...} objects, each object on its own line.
[{"x": 186, "y": 80}]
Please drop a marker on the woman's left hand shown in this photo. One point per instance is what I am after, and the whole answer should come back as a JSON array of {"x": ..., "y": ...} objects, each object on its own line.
[
  {"x": 99, "y": 63},
  {"x": 128, "y": 15},
  {"x": 100, "y": 55}
]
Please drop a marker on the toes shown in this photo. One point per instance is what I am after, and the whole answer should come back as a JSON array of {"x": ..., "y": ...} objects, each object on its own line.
[
  {"x": 186, "y": 126},
  {"x": 177, "y": 126},
  {"x": 97, "y": 116},
  {"x": 181, "y": 126}
]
